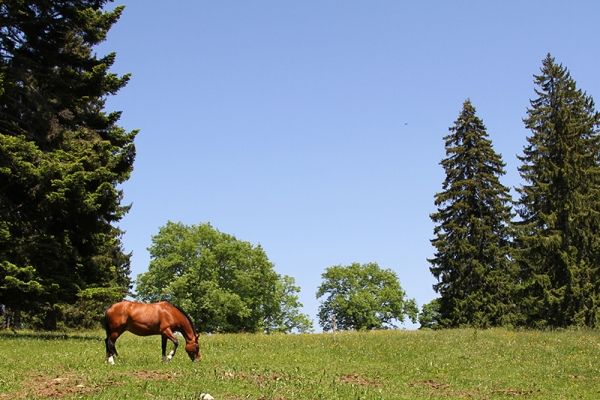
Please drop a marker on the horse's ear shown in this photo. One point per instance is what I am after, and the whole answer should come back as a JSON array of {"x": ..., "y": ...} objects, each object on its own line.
[{"x": 197, "y": 336}]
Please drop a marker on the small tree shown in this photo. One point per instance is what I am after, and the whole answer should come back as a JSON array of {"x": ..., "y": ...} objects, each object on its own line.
[
  {"x": 288, "y": 318},
  {"x": 226, "y": 285},
  {"x": 429, "y": 317},
  {"x": 363, "y": 297}
]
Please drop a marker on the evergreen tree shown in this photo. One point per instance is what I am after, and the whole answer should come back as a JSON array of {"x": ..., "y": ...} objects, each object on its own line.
[
  {"x": 476, "y": 277},
  {"x": 559, "y": 206},
  {"x": 61, "y": 156}
]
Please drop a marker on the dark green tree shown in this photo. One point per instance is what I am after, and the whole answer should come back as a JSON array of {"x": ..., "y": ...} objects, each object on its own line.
[
  {"x": 226, "y": 285},
  {"x": 559, "y": 232},
  {"x": 476, "y": 277},
  {"x": 363, "y": 297},
  {"x": 61, "y": 157}
]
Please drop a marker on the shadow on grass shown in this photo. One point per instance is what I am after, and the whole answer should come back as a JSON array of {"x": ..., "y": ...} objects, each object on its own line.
[{"x": 32, "y": 335}]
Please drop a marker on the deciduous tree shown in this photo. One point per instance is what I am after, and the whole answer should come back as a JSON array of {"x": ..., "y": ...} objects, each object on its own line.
[
  {"x": 226, "y": 285},
  {"x": 288, "y": 317},
  {"x": 363, "y": 297},
  {"x": 429, "y": 317}
]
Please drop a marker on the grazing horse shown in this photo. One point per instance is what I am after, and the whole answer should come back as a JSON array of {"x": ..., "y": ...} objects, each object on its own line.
[{"x": 142, "y": 319}]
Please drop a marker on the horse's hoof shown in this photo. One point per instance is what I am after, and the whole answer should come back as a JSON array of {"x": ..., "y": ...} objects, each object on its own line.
[{"x": 111, "y": 360}]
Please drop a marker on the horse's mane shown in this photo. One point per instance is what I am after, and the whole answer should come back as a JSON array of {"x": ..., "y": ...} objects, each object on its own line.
[{"x": 185, "y": 315}]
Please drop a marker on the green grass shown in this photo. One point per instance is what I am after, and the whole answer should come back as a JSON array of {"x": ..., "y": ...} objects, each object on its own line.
[{"x": 465, "y": 363}]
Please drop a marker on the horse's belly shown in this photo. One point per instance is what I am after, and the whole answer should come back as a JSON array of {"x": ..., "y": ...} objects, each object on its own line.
[{"x": 142, "y": 329}]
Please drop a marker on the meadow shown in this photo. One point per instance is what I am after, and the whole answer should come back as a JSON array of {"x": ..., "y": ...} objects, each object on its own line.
[{"x": 395, "y": 364}]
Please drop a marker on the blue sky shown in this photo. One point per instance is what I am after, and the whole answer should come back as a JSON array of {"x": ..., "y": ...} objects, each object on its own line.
[{"x": 315, "y": 128}]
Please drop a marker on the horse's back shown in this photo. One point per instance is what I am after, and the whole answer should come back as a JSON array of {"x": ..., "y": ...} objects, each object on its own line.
[{"x": 138, "y": 318}]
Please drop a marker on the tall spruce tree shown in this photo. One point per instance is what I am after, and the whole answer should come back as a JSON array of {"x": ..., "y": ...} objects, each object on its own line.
[
  {"x": 558, "y": 236},
  {"x": 61, "y": 156},
  {"x": 476, "y": 277}
]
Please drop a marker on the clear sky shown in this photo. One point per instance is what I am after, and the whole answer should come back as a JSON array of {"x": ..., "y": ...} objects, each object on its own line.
[{"x": 315, "y": 127}]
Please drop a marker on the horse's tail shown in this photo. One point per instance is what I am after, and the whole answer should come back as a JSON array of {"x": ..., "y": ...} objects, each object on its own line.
[
  {"x": 110, "y": 346},
  {"x": 105, "y": 322}
]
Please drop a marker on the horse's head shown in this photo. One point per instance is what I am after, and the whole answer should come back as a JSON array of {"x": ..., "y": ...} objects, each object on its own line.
[{"x": 193, "y": 349}]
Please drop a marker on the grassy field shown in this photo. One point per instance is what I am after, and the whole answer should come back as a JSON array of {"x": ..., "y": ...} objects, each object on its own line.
[{"x": 491, "y": 364}]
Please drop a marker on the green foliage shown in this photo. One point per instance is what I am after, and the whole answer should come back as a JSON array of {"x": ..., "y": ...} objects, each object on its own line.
[
  {"x": 88, "y": 311},
  {"x": 226, "y": 285},
  {"x": 429, "y": 317},
  {"x": 61, "y": 156},
  {"x": 477, "y": 279},
  {"x": 363, "y": 297},
  {"x": 559, "y": 206},
  {"x": 288, "y": 317}
]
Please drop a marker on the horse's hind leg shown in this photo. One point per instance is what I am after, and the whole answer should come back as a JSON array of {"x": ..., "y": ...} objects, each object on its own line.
[
  {"x": 111, "y": 350},
  {"x": 111, "y": 338},
  {"x": 164, "y": 348}
]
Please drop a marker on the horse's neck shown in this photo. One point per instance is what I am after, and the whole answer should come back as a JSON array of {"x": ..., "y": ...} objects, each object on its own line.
[
  {"x": 187, "y": 331},
  {"x": 185, "y": 327}
]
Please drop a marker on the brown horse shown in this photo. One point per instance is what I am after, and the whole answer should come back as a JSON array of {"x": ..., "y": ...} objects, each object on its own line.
[{"x": 142, "y": 319}]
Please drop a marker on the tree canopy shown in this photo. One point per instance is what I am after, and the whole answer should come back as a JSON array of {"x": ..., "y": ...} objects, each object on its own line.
[
  {"x": 61, "y": 156},
  {"x": 429, "y": 317},
  {"x": 226, "y": 285},
  {"x": 477, "y": 279},
  {"x": 558, "y": 237},
  {"x": 363, "y": 297}
]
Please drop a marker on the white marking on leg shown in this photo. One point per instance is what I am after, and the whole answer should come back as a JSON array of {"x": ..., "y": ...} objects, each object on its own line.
[{"x": 111, "y": 360}]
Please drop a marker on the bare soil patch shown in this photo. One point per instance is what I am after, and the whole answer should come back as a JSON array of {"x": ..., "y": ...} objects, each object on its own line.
[
  {"x": 356, "y": 379},
  {"x": 151, "y": 375},
  {"x": 42, "y": 386},
  {"x": 440, "y": 389},
  {"x": 259, "y": 379}
]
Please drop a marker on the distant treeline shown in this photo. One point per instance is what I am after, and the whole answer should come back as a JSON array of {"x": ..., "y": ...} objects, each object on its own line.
[{"x": 533, "y": 261}]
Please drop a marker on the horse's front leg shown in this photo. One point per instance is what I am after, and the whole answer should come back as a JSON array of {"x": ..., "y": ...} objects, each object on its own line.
[{"x": 168, "y": 335}]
